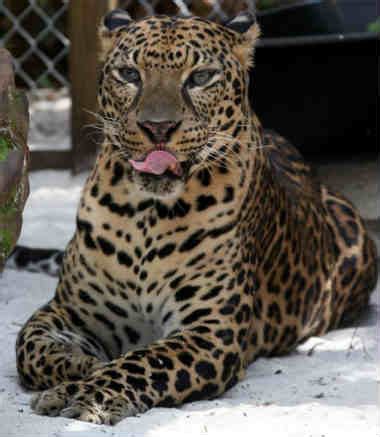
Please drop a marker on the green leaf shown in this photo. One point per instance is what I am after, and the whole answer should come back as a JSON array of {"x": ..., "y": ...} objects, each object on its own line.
[
  {"x": 5, "y": 147},
  {"x": 5, "y": 241},
  {"x": 9, "y": 207}
]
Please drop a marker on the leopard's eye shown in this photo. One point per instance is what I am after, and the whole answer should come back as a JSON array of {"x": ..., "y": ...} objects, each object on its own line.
[
  {"x": 128, "y": 74},
  {"x": 200, "y": 78}
]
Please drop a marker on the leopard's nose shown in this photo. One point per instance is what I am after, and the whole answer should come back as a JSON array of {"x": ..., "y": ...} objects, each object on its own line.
[{"x": 159, "y": 131}]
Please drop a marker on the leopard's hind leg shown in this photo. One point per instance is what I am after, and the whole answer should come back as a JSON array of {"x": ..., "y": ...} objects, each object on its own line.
[{"x": 355, "y": 274}]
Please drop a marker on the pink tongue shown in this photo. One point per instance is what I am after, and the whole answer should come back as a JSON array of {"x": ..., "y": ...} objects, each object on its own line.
[{"x": 157, "y": 162}]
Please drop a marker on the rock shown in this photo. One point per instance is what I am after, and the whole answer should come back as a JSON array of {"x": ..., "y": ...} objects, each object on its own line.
[{"x": 14, "y": 186}]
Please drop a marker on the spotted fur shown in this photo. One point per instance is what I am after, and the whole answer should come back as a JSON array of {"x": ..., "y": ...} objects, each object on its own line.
[{"x": 171, "y": 286}]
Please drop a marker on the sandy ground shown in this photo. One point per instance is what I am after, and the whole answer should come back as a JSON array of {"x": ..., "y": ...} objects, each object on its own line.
[{"x": 327, "y": 388}]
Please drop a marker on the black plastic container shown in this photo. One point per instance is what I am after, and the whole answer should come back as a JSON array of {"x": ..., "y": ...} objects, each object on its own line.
[
  {"x": 306, "y": 17},
  {"x": 319, "y": 92}
]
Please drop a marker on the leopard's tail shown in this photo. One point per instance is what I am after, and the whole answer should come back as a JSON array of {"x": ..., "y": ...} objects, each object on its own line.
[{"x": 36, "y": 260}]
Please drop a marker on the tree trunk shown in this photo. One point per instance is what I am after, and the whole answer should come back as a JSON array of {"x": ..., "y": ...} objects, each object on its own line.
[{"x": 14, "y": 186}]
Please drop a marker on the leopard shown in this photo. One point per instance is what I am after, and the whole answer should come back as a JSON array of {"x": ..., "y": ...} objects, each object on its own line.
[{"x": 202, "y": 241}]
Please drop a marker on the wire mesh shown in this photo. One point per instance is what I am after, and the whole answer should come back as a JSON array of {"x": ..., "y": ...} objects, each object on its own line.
[{"x": 35, "y": 31}]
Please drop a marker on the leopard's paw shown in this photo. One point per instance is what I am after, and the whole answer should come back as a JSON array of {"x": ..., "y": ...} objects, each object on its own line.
[
  {"x": 84, "y": 401},
  {"x": 50, "y": 402},
  {"x": 108, "y": 412}
]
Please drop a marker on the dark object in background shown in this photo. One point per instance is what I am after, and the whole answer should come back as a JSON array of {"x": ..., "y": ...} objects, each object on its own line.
[
  {"x": 306, "y": 17},
  {"x": 357, "y": 14},
  {"x": 319, "y": 92}
]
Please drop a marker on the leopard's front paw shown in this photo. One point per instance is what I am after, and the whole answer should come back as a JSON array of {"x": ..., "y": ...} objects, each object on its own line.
[
  {"x": 50, "y": 402},
  {"x": 84, "y": 401}
]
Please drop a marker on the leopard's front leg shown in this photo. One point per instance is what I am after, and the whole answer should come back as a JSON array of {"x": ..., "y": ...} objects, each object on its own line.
[{"x": 195, "y": 363}]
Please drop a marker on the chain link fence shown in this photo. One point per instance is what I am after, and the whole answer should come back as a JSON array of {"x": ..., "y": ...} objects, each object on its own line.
[
  {"x": 36, "y": 32},
  {"x": 217, "y": 10}
]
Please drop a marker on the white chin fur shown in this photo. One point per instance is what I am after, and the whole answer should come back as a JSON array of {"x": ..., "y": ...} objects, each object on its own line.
[{"x": 141, "y": 192}]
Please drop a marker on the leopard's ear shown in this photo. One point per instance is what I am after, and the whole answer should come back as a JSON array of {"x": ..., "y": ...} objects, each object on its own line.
[
  {"x": 109, "y": 27},
  {"x": 247, "y": 32},
  {"x": 242, "y": 22}
]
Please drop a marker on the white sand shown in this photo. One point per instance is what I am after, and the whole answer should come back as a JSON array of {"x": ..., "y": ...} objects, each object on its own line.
[{"x": 330, "y": 392}]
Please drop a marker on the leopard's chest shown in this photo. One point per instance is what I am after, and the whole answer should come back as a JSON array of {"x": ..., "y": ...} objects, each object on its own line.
[
  {"x": 142, "y": 240},
  {"x": 142, "y": 254}
]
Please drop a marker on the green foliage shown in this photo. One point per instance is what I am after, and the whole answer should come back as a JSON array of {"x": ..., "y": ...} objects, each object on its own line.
[
  {"x": 5, "y": 241},
  {"x": 5, "y": 147},
  {"x": 10, "y": 206},
  {"x": 374, "y": 26},
  {"x": 45, "y": 82}
]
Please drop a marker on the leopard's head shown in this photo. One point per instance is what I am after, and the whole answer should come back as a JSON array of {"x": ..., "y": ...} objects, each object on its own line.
[{"x": 176, "y": 86}]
